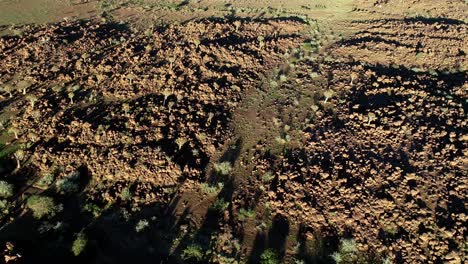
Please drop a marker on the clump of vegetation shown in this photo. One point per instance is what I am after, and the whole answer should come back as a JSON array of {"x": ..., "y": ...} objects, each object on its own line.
[
  {"x": 181, "y": 142},
  {"x": 328, "y": 94},
  {"x": 141, "y": 225},
  {"x": 69, "y": 184},
  {"x": 32, "y": 99},
  {"x": 211, "y": 189},
  {"x": 6, "y": 189},
  {"x": 92, "y": 209},
  {"x": 126, "y": 194},
  {"x": 370, "y": 117},
  {"x": 23, "y": 86},
  {"x": 269, "y": 256},
  {"x": 245, "y": 214},
  {"x": 8, "y": 89},
  {"x": 220, "y": 205},
  {"x": 222, "y": 168},
  {"x": 45, "y": 181},
  {"x": 267, "y": 176},
  {"x": 347, "y": 252},
  {"x": 79, "y": 244},
  {"x": 42, "y": 206},
  {"x": 193, "y": 252},
  {"x": 19, "y": 156}
]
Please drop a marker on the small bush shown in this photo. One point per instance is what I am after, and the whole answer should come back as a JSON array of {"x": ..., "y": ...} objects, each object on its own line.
[
  {"x": 92, "y": 209},
  {"x": 6, "y": 189},
  {"x": 126, "y": 195},
  {"x": 141, "y": 225},
  {"x": 69, "y": 184},
  {"x": 269, "y": 256},
  {"x": 211, "y": 189},
  {"x": 79, "y": 244},
  {"x": 223, "y": 168},
  {"x": 42, "y": 206},
  {"x": 244, "y": 214},
  {"x": 347, "y": 252},
  {"x": 193, "y": 252},
  {"x": 45, "y": 181},
  {"x": 220, "y": 205}
]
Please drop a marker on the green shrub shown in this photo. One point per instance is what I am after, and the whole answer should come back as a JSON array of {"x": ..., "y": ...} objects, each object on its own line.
[
  {"x": 220, "y": 205},
  {"x": 141, "y": 225},
  {"x": 92, "y": 209},
  {"x": 269, "y": 256},
  {"x": 69, "y": 184},
  {"x": 244, "y": 214},
  {"x": 193, "y": 252},
  {"x": 347, "y": 252},
  {"x": 6, "y": 189},
  {"x": 45, "y": 181},
  {"x": 42, "y": 206},
  {"x": 126, "y": 195},
  {"x": 223, "y": 168},
  {"x": 79, "y": 244},
  {"x": 208, "y": 189}
]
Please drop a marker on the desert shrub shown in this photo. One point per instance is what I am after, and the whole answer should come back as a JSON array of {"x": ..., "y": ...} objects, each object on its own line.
[
  {"x": 193, "y": 252},
  {"x": 211, "y": 189},
  {"x": 222, "y": 168},
  {"x": 347, "y": 252},
  {"x": 92, "y": 209},
  {"x": 69, "y": 184},
  {"x": 6, "y": 189},
  {"x": 79, "y": 244},
  {"x": 246, "y": 213},
  {"x": 126, "y": 194},
  {"x": 141, "y": 225},
  {"x": 45, "y": 181},
  {"x": 42, "y": 206},
  {"x": 269, "y": 256},
  {"x": 220, "y": 205}
]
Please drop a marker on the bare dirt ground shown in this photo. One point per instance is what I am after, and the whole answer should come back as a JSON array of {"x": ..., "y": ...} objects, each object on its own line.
[{"x": 234, "y": 132}]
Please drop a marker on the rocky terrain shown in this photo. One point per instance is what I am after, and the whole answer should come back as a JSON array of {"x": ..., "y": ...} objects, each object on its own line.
[{"x": 278, "y": 137}]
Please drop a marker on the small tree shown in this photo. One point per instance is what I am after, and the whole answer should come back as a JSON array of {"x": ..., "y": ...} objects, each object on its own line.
[
  {"x": 42, "y": 206},
  {"x": 237, "y": 24},
  {"x": 32, "y": 99},
  {"x": 14, "y": 131},
  {"x": 19, "y": 156},
  {"x": 370, "y": 117},
  {"x": 70, "y": 96},
  {"x": 23, "y": 86},
  {"x": 328, "y": 94},
  {"x": 79, "y": 244},
  {"x": 8, "y": 89},
  {"x": 166, "y": 94},
  {"x": 6, "y": 189}
]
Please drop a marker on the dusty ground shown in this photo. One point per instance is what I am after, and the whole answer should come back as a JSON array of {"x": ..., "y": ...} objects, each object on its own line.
[{"x": 215, "y": 131}]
